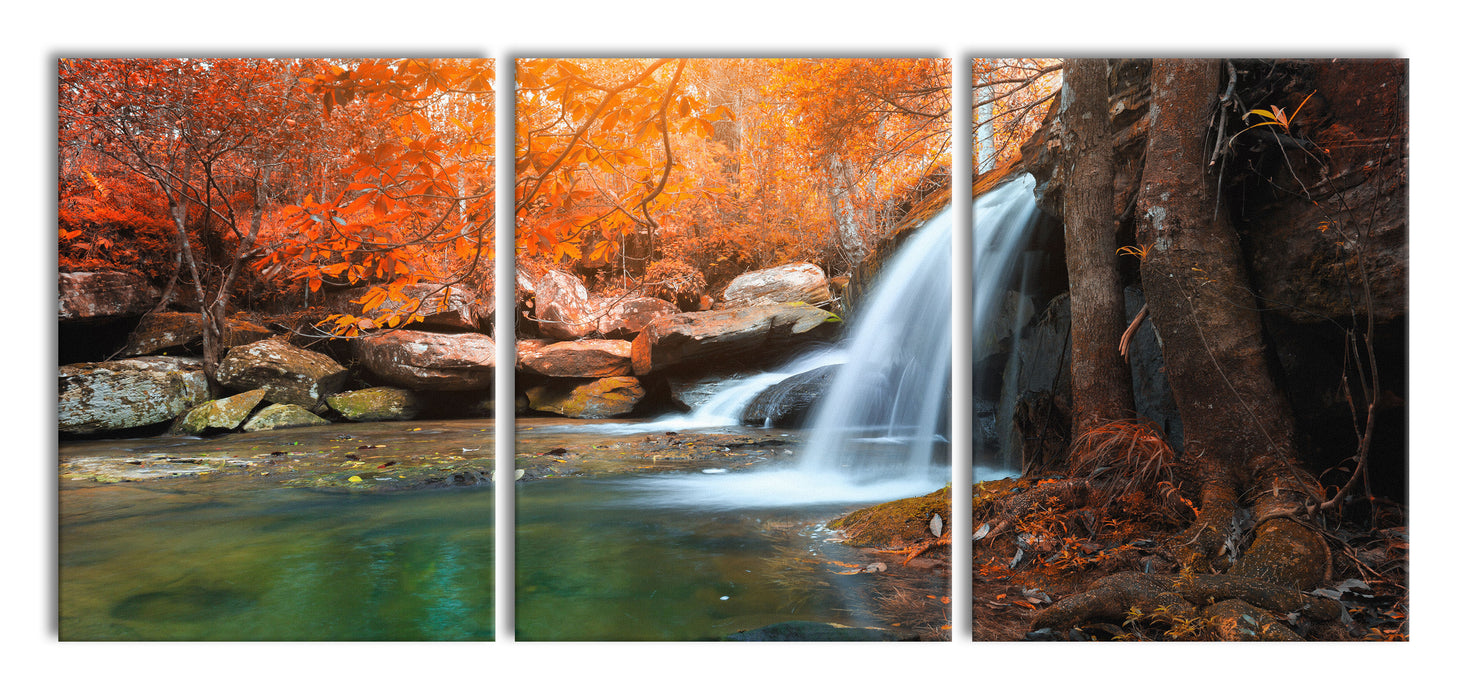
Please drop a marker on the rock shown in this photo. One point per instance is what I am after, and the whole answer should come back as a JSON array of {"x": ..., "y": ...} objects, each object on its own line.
[
  {"x": 282, "y": 415},
  {"x": 375, "y": 404},
  {"x": 175, "y": 329},
  {"x": 603, "y": 398},
  {"x": 161, "y": 331},
  {"x": 562, "y": 307},
  {"x": 580, "y": 358},
  {"x": 448, "y": 307},
  {"x": 730, "y": 334},
  {"x": 691, "y": 388},
  {"x": 97, "y": 397},
  {"x": 625, "y": 318},
  {"x": 426, "y": 360},
  {"x": 802, "y": 282},
  {"x": 287, "y": 373},
  {"x": 805, "y": 631},
  {"x": 104, "y": 294},
  {"x": 223, "y": 414},
  {"x": 786, "y": 404}
]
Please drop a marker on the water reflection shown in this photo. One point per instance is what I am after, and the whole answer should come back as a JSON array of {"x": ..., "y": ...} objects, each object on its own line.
[{"x": 215, "y": 561}]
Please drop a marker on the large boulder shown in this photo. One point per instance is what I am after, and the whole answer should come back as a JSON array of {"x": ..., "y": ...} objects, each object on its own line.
[
  {"x": 624, "y": 318},
  {"x": 103, "y": 295},
  {"x": 563, "y": 309},
  {"x": 221, "y": 414},
  {"x": 579, "y": 358},
  {"x": 802, "y": 282},
  {"x": 426, "y": 360},
  {"x": 381, "y": 403},
  {"x": 729, "y": 335},
  {"x": 604, "y": 398},
  {"x": 787, "y": 403},
  {"x": 97, "y": 397},
  {"x": 287, "y": 373}
]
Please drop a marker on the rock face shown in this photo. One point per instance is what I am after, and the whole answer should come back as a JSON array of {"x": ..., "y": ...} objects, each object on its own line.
[
  {"x": 282, "y": 415},
  {"x": 222, "y": 414},
  {"x": 287, "y": 373},
  {"x": 563, "y": 309},
  {"x": 580, "y": 358},
  {"x": 799, "y": 282},
  {"x": 175, "y": 329},
  {"x": 102, "y": 295},
  {"x": 787, "y": 403},
  {"x": 97, "y": 397},
  {"x": 625, "y": 318},
  {"x": 604, "y": 398},
  {"x": 714, "y": 336},
  {"x": 425, "y": 360},
  {"x": 376, "y": 404}
]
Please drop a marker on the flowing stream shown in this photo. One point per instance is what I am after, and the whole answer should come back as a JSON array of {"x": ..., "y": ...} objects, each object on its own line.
[{"x": 331, "y": 545}]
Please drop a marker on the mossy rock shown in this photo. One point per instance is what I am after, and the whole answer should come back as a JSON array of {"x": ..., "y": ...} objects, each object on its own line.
[
  {"x": 282, "y": 415},
  {"x": 376, "y": 404},
  {"x": 895, "y": 523},
  {"x": 223, "y": 414}
]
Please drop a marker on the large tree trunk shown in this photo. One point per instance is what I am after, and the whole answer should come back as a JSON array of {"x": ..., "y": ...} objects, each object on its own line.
[
  {"x": 1237, "y": 425},
  {"x": 1238, "y": 429},
  {"x": 1101, "y": 384}
]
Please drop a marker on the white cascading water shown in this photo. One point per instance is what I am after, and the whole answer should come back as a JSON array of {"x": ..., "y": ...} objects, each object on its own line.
[{"x": 878, "y": 432}]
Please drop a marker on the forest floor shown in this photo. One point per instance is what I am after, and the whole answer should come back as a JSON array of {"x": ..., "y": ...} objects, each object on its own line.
[{"x": 1055, "y": 552}]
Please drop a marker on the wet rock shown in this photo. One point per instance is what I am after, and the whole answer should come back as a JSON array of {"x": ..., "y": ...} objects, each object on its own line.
[
  {"x": 579, "y": 358},
  {"x": 786, "y": 404},
  {"x": 729, "y": 335},
  {"x": 103, "y": 294},
  {"x": 804, "y": 631},
  {"x": 96, "y": 397},
  {"x": 287, "y": 373},
  {"x": 604, "y": 398},
  {"x": 799, "y": 282},
  {"x": 563, "y": 308},
  {"x": 222, "y": 414},
  {"x": 376, "y": 404},
  {"x": 282, "y": 415},
  {"x": 425, "y": 360}
]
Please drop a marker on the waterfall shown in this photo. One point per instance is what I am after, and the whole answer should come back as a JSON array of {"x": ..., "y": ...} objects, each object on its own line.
[
  {"x": 881, "y": 429},
  {"x": 895, "y": 386}
]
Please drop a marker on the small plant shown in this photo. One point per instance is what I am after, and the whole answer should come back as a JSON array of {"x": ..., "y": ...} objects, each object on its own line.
[
  {"x": 1274, "y": 116},
  {"x": 1126, "y": 454}
]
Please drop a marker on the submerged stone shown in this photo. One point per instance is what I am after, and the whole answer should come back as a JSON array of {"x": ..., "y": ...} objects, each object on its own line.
[{"x": 805, "y": 631}]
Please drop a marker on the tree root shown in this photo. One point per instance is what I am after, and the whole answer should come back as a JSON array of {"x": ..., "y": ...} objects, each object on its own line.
[{"x": 1229, "y": 606}]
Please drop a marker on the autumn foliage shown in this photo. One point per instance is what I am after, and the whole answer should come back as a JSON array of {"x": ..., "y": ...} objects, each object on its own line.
[{"x": 241, "y": 180}]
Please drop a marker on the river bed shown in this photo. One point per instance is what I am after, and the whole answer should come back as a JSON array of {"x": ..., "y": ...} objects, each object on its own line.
[{"x": 385, "y": 531}]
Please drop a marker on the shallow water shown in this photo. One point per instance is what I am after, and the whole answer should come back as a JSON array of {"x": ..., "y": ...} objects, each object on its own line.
[
  {"x": 594, "y": 563},
  {"x": 180, "y": 562},
  {"x": 221, "y": 556}
]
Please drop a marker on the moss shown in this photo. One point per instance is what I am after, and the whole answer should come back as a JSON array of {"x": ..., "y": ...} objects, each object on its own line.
[{"x": 895, "y": 523}]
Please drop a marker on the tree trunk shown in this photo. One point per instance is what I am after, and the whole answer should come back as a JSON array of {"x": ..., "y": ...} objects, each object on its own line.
[
  {"x": 1101, "y": 384},
  {"x": 1238, "y": 428}
]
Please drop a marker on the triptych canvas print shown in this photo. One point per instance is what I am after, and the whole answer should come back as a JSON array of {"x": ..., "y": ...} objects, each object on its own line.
[{"x": 775, "y": 349}]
